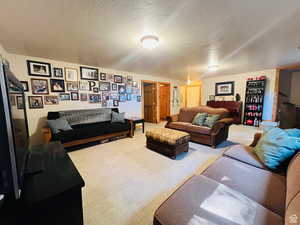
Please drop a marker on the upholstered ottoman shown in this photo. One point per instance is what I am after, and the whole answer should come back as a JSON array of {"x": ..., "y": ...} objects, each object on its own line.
[{"x": 168, "y": 142}]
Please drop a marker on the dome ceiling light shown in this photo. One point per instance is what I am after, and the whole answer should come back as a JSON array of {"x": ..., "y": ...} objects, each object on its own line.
[
  {"x": 149, "y": 41},
  {"x": 213, "y": 68}
]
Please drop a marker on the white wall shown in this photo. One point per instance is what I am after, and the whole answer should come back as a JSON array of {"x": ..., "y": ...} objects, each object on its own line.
[
  {"x": 37, "y": 117},
  {"x": 208, "y": 87},
  {"x": 295, "y": 93}
]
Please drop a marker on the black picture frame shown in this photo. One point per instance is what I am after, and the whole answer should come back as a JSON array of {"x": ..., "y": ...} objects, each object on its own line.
[
  {"x": 58, "y": 72},
  {"x": 40, "y": 102},
  {"x": 25, "y": 85},
  {"x": 92, "y": 84},
  {"x": 54, "y": 85},
  {"x": 36, "y": 88},
  {"x": 74, "y": 96},
  {"x": 115, "y": 103},
  {"x": 122, "y": 89},
  {"x": 102, "y": 76},
  {"x": 114, "y": 87},
  {"x": 30, "y": 65},
  {"x": 230, "y": 85},
  {"x": 95, "y": 90},
  {"x": 20, "y": 102},
  {"x": 118, "y": 79},
  {"x": 84, "y": 76}
]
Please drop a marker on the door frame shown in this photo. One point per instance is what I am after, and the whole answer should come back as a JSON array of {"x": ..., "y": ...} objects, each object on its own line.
[
  {"x": 158, "y": 103},
  {"x": 276, "y": 90},
  {"x": 156, "y": 83}
]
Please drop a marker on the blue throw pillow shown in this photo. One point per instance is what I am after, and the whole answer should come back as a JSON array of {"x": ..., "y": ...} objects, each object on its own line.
[
  {"x": 59, "y": 125},
  {"x": 277, "y": 145},
  {"x": 117, "y": 117}
]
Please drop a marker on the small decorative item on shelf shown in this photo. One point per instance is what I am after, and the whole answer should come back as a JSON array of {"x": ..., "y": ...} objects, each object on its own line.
[
  {"x": 254, "y": 100},
  {"x": 237, "y": 97}
]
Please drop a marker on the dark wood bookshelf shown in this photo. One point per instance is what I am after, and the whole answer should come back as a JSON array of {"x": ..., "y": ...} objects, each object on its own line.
[{"x": 254, "y": 102}]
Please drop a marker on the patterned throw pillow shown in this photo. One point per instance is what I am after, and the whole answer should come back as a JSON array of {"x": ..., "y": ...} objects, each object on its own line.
[
  {"x": 211, "y": 120},
  {"x": 277, "y": 145},
  {"x": 199, "y": 119},
  {"x": 59, "y": 125},
  {"x": 118, "y": 117}
]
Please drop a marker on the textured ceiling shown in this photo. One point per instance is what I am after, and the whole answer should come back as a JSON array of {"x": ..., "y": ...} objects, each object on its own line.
[{"x": 239, "y": 35}]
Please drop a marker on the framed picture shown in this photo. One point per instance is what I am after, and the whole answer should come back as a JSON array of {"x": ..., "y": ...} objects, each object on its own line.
[
  {"x": 36, "y": 68},
  {"x": 64, "y": 97},
  {"x": 12, "y": 100},
  {"x": 72, "y": 86},
  {"x": 35, "y": 102},
  {"x": 83, "y": 97},
  {"x": 92, "y": 84},
  {"x": 57, "y": 85},
  {"x": 129, "y": 78},
  {"x": 224, "y": 88},
  {"x": 71, "y": 74},
  {"x": 102, "y": 76},
  {"x": 58, "y": 72},
  {"x": 25, "y": 86},
  {"x": 114, "y": 96},
  {"x": 128, "y": 89},
  {"x": 104, "y": 103},
  {"x": 128, "y": 97},
  {"x": 87, "y": 73},
  {"x": 51, "y": 100},
  {"x": 110, "y": 77},
  {"x": 138, "y": 98},
  {"x": 39, "y": 86},
  {"x": 95, "y": 90},
  {"x": 134, "y": 84},
  {"x": 74, "y": 96},
  {"x": 20, "y": 102},
  {"x": 84, "y": 86},
  {"x": 114, "y": 87},
  {"x": 105, "y": 96},
  {"x": 115, "y": 103},
  {"x": 104, "y": 86},
  {"x": 94, "y": 98},
  {"x": 121, "y": 89},
  {"x": 122, "y": 98},
  {"x": 118, "y": 79}
]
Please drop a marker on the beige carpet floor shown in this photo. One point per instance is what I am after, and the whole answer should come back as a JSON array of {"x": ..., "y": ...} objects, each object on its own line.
[{"x": 126, "y": 182}]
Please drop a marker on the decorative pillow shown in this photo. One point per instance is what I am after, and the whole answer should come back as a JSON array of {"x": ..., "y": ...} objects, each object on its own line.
[
  {"x": 211, "y": 120},
  {"x": 118, "y": 117},
  {"x": 277, "y": 146},
  {"x": 199, "y": 119},
  {"x": 59, "y": 125}
]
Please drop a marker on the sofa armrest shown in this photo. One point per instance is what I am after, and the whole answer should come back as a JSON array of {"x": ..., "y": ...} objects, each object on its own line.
[
  {"x": 220, "y": 124},
  {"x": 172, "y": 118},
  {"x": 257, "y": 136},
  {"x": 47, "y": 134}
]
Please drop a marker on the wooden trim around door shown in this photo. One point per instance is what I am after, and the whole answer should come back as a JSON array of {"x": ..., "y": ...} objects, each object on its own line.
[{"x": 276, "y": 89}]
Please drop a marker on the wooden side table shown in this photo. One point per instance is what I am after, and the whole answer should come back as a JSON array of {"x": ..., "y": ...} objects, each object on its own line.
[{"x": 137, "y": 120}]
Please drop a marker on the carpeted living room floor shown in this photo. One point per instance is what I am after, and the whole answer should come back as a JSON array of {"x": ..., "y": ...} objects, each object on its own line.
[{"x": 126, "y": 182}]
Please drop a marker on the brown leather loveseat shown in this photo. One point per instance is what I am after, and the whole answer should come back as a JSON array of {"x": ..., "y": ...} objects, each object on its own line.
[
  {"x": 236, "y": 189},
  {"x": 201, "y": 134}
]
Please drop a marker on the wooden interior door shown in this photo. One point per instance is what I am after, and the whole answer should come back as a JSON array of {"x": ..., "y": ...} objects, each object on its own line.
[
  {"x": 164, "y": 100},
  {"x": 150, "y": 102}
]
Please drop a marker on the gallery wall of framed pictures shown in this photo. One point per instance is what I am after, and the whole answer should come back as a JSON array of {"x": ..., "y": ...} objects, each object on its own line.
[{"x": 49, "y": 85}]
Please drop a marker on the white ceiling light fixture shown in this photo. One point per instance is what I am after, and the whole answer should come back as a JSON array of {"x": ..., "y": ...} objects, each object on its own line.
[
  {"x": 213, "y": 68},
  {"x": 150, "y": 41}
]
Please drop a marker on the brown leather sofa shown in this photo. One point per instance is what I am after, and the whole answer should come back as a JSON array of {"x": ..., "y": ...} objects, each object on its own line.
[
  {"x": 236, "y": 189},
  {"x": 201, "y": 134}
]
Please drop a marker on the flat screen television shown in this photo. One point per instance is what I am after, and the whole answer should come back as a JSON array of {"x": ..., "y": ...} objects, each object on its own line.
[{"x": 14, "y": 136}]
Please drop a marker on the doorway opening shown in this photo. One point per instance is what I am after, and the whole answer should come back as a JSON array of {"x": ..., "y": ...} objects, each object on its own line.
[
  {"x": 164, "y": 100},
  {"x": 288, "y": 98}
]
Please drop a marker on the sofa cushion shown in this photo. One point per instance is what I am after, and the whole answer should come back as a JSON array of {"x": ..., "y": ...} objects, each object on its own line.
[
  {"x": 202, "y": 200},
  {"x": 199, "y": 119},
  {"x": 83, "y": 131},
  {"x": 59, "y": 125},
  {"x": 187, "y": 114},
  {"x": 276, "y": 146},
  {"x": 188, "y": 127},
  {"x": 118, "y": 117},
  {"x": 251, "y": 181},
  {"x": 211, "y": 120},
  {"x": 244, "y": 154}
]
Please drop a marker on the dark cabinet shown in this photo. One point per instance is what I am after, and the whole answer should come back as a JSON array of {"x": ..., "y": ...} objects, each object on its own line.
[{"x": 235, "y": 108}]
